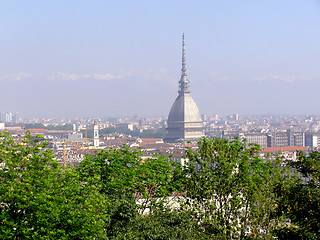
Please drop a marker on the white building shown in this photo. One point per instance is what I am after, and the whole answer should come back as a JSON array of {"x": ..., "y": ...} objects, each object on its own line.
[
  {"x": 312, "y": 139},
  {"x": 95, "y": 134}
]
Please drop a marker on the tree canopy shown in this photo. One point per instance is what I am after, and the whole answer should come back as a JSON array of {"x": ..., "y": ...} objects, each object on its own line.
[
  {"x": 39, "y": 199},
  {"x": 230, "y": 189},
  {"x": 49, "y": 127},
  {"x": 224, "y": 190},
  {"x": 300, "y": 200}
]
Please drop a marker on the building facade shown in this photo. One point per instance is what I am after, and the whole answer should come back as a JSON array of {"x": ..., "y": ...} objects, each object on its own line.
[
  {"x": 312, "y": 139},
  {"x": 286, "y": 138},
  {"x": 255, "y": 137}
]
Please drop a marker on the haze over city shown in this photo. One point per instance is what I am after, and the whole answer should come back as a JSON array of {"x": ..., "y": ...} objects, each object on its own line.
[{"x": 115, "y": 58}]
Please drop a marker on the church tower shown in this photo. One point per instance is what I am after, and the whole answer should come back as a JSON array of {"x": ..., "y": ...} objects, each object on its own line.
[
  {"x": 184, "y": 121},
  {"x": 95, "y": 134}
]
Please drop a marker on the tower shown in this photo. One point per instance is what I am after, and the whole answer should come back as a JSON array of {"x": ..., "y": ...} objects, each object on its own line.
[
  {"x": 184, "y": 121},
  {"x": 95, "y": 134}
]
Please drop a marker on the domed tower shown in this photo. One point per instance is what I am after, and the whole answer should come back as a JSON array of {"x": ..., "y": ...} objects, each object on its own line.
[{"x": 184, "y": 121}]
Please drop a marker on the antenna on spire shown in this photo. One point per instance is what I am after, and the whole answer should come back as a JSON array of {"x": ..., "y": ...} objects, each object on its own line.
[{"x": 183, "y": 69}]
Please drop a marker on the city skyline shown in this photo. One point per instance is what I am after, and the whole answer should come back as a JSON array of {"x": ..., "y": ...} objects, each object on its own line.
[{"x": 119, "y": 59}]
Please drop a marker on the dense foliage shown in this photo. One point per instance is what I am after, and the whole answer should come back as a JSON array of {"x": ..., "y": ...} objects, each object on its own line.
[
  {"x": 38, "y": 199},
  {"x": 300, "y": 201},
  {"x": 231, "y": 190},
  {"x": 49, "y": 127},
  {"x": 224, "y": 190}
]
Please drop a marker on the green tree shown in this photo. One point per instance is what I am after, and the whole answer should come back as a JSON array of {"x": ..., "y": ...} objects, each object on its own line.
[
  {"x": 67, "y": 126},
  {"x": 122, "y": 173},
  {"x": 153, "y": 134},
  {"x": 300, "y": 200},
  {"x": 41, "y": 200},
  {"x": 35, "y": 126},
  {"x": 230, "y": 189},
  {"x": 49, "y": 127},
  {"x": 136, "y": 187},
  {"x": 157, "y": 183},
  {"x": 116, "y": 171},
  {"x": 165, "y": 224}
]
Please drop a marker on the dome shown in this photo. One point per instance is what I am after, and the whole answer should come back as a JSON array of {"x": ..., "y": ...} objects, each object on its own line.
[{"x": 184, "y": 109}]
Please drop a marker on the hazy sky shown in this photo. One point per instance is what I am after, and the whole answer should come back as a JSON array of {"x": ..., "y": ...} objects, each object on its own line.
[{"x": 119, "y": 58}]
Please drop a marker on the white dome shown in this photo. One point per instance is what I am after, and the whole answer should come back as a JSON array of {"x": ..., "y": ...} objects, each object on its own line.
[{"x": 184, "y": 109}]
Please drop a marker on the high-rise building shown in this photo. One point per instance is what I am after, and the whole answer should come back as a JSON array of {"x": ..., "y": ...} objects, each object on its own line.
[
  {"x": 184, "y": 121},
  {"x": 233, "y": 117},
  {"x": 8, "y": 117},
  {"x": 16, "y": 117}
]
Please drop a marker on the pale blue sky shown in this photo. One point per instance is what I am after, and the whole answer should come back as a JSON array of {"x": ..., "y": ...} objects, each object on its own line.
[{"x": 110, "y": 58}]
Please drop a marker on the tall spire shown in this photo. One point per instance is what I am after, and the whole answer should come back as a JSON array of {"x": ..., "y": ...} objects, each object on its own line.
[
  {"x": 183, "y": 69},
  {"x": 184, "y": 82}
]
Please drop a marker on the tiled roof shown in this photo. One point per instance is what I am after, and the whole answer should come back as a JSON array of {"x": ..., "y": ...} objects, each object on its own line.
[
  {"x": 37, "y": 130},
  {"x": 283, "y": 149},
  {"x": 151, "y": 139},
  {"x": 76, "y": 147}
]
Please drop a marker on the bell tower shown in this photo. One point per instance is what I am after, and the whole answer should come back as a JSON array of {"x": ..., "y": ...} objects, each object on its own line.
[{"x": 95, "y": 134}]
